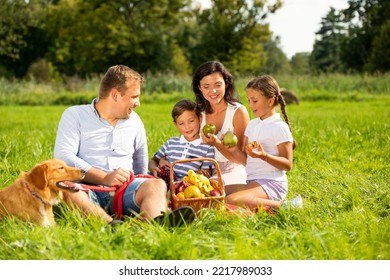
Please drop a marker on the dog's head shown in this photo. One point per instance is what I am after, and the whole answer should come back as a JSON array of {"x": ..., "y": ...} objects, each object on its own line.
[{"x": 54, "y": 174}]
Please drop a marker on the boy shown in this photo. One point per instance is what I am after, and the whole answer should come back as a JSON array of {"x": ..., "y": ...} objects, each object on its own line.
[{"x": 187, "y": 119}]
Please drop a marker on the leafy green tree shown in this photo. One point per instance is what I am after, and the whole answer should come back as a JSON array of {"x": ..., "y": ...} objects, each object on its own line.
[
  {"x": 276, "y": 60},
  {"x": 365, "y": 47},
  {"x": 83, "y": 37},
  {"x": 300, "y": 63},
  {"x": 180, "y": 63},
  {"x": 379, "y": 59},
  {"x": 326, "y": 54},
  {"x": 249, "y": 58},
  {"x": 93, "y": 35},
  {"x": 156, "y": 25},
  {"x": 233, "y": 32},
  {"x": 22, "y": 39}
]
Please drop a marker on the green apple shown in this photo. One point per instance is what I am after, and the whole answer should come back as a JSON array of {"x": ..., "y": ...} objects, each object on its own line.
[
  {"x": 230, "y": 139},
  {"x": 209, "y": 128}
]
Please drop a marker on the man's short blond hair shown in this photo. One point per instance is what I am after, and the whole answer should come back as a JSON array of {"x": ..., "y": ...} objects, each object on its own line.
[{"x": 118, "y": 76}]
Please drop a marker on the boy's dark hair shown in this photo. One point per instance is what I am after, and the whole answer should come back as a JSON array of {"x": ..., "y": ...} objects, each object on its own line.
[{"x": 182, "y": 106}]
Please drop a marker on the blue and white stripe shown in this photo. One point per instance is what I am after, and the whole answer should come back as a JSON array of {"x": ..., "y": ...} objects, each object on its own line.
[{"x": 178, "y": 148}]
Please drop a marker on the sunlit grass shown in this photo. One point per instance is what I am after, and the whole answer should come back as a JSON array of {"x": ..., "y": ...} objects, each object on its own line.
[{"x": 340, "y": 168}]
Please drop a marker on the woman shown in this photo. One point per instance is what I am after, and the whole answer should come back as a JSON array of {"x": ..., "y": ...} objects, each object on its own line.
[{"x": 219, "y": 102}]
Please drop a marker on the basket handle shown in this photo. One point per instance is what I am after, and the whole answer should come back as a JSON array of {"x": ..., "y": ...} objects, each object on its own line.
[{"x": 171, "y": 174}]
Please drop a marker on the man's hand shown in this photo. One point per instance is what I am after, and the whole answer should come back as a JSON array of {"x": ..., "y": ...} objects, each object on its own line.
[{"x": 118, "y": 177}]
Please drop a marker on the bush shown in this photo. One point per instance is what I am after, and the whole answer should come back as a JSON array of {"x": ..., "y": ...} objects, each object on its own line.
[
  {"x": 43, "y": 72},
  {"x": 169, "y": 87}
]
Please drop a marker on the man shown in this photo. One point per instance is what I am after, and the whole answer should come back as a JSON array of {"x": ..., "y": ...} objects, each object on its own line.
[{"x": 107, "y": 140}]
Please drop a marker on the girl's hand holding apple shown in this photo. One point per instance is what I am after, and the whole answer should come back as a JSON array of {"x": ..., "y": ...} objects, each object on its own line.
[{"x": 255, "y": 150}]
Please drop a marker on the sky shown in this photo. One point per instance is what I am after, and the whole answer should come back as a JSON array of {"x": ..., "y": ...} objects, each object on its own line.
[{"x": 297, "y": 21}]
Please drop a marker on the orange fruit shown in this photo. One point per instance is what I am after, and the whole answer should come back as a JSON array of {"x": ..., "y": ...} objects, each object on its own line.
[{"x": 180, "y": 195}]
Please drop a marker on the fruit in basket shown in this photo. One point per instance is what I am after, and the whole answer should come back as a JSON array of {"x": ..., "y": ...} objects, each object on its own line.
[
  {"x": 180, "y": 195},
  {"x": 209, "y": 129},
  {"x": 214, "y": 192},
  {"x": 230, "y": 139},
  {"x": 192, "y": 192},
  {"x": 200, "y": 181},
  {"x": 192, "y": 177},
  {"x": 204, "y": 184},
  {"x": 181, "y": 186},
  {"x": 213, "y": 183},
  {"x": 165, "y": 174}
]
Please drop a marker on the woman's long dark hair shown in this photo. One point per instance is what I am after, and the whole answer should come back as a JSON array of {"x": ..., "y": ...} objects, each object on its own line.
[{"x": 206, "y": 69}]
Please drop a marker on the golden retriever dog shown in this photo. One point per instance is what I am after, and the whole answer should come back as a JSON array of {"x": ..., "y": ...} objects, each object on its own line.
[{"x": 32, "y": 196}]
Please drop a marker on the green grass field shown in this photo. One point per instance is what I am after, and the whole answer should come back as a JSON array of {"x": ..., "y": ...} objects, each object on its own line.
[{"x": 341, "y": 168}]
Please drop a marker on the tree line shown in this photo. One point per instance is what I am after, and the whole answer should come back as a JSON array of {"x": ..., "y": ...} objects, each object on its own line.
[
  {"x": 58, "y": 38},
  {"x": 355, "y": 39}
]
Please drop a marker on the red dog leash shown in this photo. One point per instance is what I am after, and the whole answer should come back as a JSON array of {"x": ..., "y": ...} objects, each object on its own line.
[
  {"x": 119, "y": 192},
  {"x": 118, "y": 197}
]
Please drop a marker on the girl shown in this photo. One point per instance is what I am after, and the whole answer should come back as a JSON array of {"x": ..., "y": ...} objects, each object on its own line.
[{"x": 268, "y": 149}]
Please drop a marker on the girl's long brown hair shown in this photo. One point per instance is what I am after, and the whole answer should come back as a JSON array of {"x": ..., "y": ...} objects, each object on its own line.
[{"x": 268, "y": 86}]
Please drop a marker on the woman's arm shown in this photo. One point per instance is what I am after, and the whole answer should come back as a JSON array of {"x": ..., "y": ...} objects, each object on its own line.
[{"x": 240, "y": 122}]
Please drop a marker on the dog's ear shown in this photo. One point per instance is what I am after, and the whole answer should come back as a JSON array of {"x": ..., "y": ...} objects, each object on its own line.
[{"x": 37, "y": 175}]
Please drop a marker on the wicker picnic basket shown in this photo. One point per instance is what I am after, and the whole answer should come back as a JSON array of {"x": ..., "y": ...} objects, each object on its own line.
[{"x": 198, "y": 203}]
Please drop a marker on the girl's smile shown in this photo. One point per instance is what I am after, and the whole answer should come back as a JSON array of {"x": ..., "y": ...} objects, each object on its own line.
[{"x": 261, "y": 106}]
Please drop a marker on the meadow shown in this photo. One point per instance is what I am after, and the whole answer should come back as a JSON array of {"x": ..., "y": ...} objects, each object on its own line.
[{"x": 341, "y": 169}]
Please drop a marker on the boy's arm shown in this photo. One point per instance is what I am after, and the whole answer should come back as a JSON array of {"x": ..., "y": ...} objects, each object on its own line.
[{"x": 153, "y": 166}]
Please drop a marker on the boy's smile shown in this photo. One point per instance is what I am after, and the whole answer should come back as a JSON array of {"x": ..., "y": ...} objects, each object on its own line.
[{"x": 188, "y": 124}]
